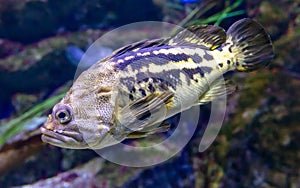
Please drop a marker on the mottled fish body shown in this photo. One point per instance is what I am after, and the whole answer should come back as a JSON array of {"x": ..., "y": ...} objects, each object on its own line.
[{"x": 131, "y": 92}]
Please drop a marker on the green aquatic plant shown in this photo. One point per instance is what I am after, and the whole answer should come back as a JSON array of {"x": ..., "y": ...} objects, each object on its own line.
[
  {"x": 194, "y": 17},
  {"x": 220, "y": 16}
]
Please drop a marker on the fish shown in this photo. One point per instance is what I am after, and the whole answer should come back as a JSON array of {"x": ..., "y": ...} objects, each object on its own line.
[{"x": 132, "y": 92}]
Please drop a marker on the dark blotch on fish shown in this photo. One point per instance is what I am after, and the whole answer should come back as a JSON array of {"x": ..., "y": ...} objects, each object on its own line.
[
  {"x": 198, "y": 70},
  {"x": 207, "y": 56}
]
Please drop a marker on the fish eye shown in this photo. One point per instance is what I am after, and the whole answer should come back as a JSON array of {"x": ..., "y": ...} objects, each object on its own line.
[{"x": 63, "y": 116}]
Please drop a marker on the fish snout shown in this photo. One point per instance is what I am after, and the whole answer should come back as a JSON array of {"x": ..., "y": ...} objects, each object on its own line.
[{"x": 49, "y": 123}]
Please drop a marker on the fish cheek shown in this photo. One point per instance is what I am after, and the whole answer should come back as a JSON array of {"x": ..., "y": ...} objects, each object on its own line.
[
  {"x": 102, "y": 137},
  {"x": 72, "y": 126}
]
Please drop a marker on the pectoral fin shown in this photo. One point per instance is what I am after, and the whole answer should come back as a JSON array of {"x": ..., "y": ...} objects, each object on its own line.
[
  {"x": 157, "y": 128},
  {"x": 143, "y": 113}
]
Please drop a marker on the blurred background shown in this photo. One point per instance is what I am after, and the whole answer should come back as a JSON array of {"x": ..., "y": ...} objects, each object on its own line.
[{"x": 41, "y": 43}]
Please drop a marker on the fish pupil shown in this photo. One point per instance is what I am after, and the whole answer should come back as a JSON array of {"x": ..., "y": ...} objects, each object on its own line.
[{"x": 62, "y": 115}]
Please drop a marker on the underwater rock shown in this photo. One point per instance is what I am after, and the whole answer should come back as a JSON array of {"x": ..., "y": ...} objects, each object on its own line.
[
  {"x": 38, "y": 163},
  {"x": 46, "y": 16},
  {"x": 272, "y": 15},
  {"x": 51, "y": 17},
  {"x": 37, "y": 63},
  {"x": 22, "y": 102},
  {"x": 12, "y": 155},
  {"x": 8, "y": 48},
  {"x": 177, "y": 172},
  {"x": 83, "y": 176}
]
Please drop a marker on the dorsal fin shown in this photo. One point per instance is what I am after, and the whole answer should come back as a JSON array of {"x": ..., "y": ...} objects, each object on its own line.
[
  {"x": 204, "y": 36},
  {"x": 136, "y": 46}
]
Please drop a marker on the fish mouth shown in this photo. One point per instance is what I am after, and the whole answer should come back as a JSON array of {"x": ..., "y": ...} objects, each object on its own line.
[{"x": 63, "y": 138}]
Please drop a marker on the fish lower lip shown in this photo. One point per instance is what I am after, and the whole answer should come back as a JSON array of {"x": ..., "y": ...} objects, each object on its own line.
[{"x": 63, "y": 136}]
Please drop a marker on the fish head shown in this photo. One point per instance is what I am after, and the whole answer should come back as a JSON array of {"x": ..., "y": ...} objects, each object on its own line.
[
  {"x": 81, "y": 120},
  {"x": 61, "y": 129}
]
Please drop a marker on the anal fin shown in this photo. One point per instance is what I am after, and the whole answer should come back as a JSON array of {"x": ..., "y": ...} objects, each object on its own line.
[{"x": 218, "y": 88}]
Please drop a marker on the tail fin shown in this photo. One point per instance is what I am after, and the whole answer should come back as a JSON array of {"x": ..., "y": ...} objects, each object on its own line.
[{"x": 251, "y": 45}]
